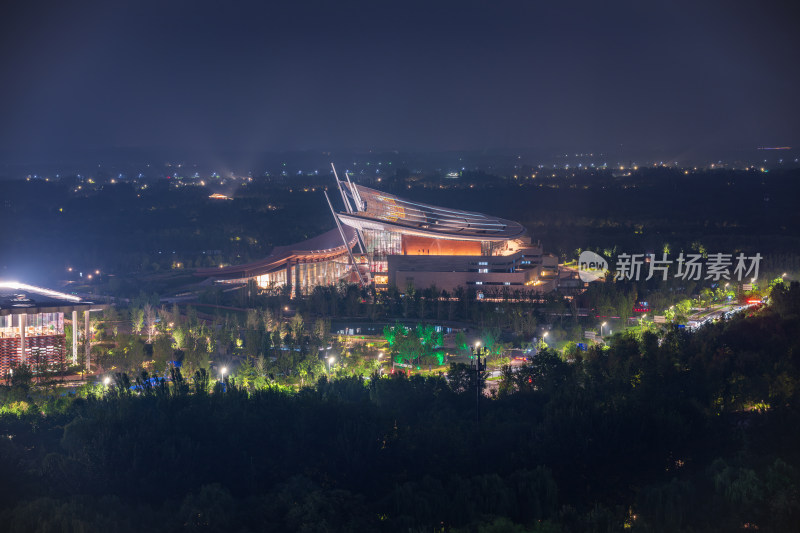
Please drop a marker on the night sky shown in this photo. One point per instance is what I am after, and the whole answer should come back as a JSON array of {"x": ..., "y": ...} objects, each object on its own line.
[{"x": 262, "y": 76}]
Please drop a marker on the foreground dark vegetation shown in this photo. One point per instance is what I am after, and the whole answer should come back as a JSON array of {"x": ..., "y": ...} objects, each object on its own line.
[{"x": 690, "y": 431}]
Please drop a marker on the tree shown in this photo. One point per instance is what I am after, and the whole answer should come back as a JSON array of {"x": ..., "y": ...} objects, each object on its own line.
[
  {"x": 461, "y": 343},
  {"x": 180, "y": 336},
  {"x": 322, "y": 330},
  {"x": 253, "y": 319},
  {"x": 149, "y": 322},
  {"x": 297, "y": 328},
  {"x": 137, "y": 319},
  {"x": 269, "y": 320}
]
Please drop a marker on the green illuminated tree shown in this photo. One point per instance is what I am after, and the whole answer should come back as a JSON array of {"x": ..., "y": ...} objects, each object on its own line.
[
  {"x": 137, "y": 319},
  {"x": 297, "y": 327}
]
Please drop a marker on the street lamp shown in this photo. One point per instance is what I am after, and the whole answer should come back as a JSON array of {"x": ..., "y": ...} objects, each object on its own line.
[
  {"x": 106, "y": 381},
  {"x": 331, "y": 359},
  {"x": 601, "y": 328},
  {"x": 223, "y": 371}
]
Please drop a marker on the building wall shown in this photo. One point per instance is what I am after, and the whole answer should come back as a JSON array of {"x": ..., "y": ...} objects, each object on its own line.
[
  {"x": 45, "y": 351},
  {"x": 450, "y": 281},
  {"x": 9, "y": 354},
  {"x": 450, "y": 272},
  {"x": 40, "y": 351},
  {"x": 413, "y": 245}
]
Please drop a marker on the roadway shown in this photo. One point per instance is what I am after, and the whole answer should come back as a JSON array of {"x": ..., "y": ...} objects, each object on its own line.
[{"x": 713, "y": 313}]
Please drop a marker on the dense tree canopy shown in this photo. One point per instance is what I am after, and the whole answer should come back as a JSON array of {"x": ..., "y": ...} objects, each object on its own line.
[{"x": 689, "y": 431}]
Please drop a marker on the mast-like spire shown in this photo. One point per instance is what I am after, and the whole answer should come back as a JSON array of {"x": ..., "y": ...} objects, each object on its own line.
[
  {"x": 354, "y": 193},
  {"x": 344, "y": 240},
  {"x": 339, "y": 186},
  {"x": 361, "y": 244}
]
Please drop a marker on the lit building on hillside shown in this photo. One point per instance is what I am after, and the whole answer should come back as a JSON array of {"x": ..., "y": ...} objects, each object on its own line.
[
  {"x": 322, "y": 260},
  {"x": 412, "y": 243},
  {"x": 32, "y": 326},
  {"x": 386, "y": 240}
]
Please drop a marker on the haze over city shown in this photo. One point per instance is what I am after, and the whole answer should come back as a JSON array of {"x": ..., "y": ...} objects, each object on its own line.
[{"x": 677, "y": 80}]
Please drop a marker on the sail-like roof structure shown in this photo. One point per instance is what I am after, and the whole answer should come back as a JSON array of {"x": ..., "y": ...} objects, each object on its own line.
[{"x": 387, "y": 212}]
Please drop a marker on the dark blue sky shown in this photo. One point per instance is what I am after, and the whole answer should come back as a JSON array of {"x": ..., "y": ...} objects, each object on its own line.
[{"x": 266, "y": 76}]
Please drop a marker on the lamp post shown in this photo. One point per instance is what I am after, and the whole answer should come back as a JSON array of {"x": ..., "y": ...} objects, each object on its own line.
[
  {"x": 331, "y": 359},
  {"x": 223, "y": 371},
  {"x": 601, "y": 328}
]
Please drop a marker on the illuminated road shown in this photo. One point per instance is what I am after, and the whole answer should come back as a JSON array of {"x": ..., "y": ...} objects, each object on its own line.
[{"x": 715, "y": 312}]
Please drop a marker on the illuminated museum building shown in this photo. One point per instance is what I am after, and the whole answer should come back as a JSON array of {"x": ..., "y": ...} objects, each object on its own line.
[
  {"x": 32, "y": 326},
  {"x": 394, "y": 241}
]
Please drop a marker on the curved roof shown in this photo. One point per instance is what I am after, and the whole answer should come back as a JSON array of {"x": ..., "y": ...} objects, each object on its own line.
[
  {"x": 21, "y": 299},
  {"x": 328, "y": 245},
  {"x": 388, "y": 212}
]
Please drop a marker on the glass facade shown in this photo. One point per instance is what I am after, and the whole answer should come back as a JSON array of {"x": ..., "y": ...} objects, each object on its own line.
[
  {"x": 309, "y": 275},
  {"x": 492, "y": 247},
  {"x": 272, "y": 280},
  {"x": 380, "y": 245},
  {"x": 305, "y": 276},
  {"x": 36, "y": 325}
]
